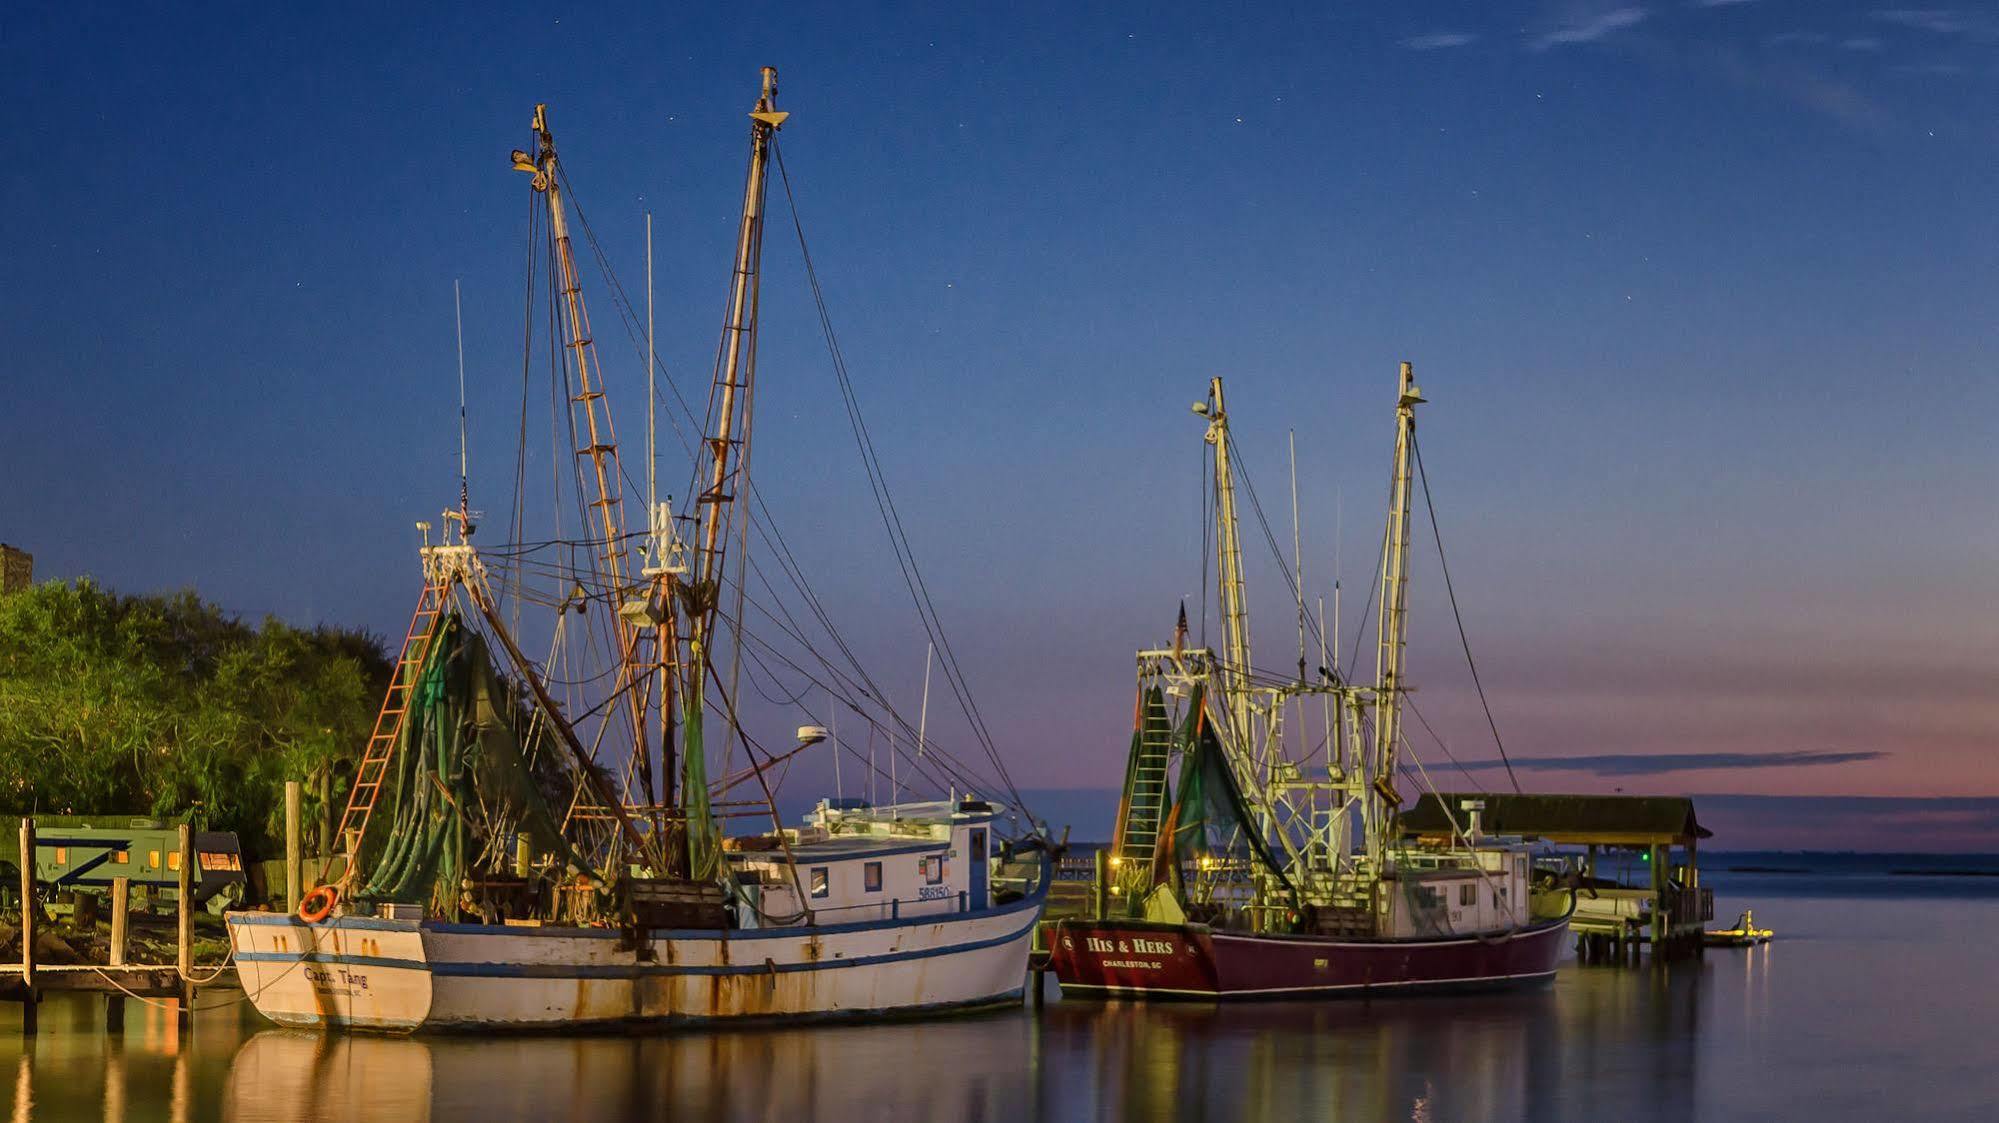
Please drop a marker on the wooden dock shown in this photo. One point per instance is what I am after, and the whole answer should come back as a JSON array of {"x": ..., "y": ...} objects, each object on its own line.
[{"x": 26, "y": 981}]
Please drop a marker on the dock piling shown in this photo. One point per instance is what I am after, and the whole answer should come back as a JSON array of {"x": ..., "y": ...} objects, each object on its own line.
[
  {"x": 27, "y": 864},
  {"x": 184, "y": 936},
  {"x": 294, "y": 855},
  {"x": 121, "y": 911}
]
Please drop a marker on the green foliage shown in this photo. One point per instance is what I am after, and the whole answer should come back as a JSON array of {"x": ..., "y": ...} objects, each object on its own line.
[{"x": 168, "y": 706}]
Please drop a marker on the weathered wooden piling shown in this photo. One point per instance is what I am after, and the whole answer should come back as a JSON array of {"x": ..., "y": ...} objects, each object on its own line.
[
  {"x": 27, "y": 864},
  {"x": 184, "y": 935},
  {"x": 121, "y": 911},
  {"x": 294, "y": 853}
]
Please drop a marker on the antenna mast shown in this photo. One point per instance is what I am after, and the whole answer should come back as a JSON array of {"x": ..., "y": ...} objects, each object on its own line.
[
  {"x": 1297, "y": 555},
  {"x": 464, "y": 470}
]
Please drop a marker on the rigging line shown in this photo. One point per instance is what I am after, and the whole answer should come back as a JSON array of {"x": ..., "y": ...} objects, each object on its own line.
[
  {"x": 954, "y": 766},
  {"x": 871, "y": 690},
  {"x": 741, "y": 518},
  {"x": 1207, "y": 535},
  {"x": 773, "y": 535},
  {"x": 795, "y": 699},
  {"x": 933, "y": 624},
  {"x": 1373, "y": 587},
  {"x": 517, "y": 515},
  {"x": 740, "y": 732},
  {"x": 1448, "y": 754},
  {"x": 1256, "y": 505},
  {"x": 621, "y": 303},
  {"x": 867, "y": 685},
  {"x": 1445, "y": 566},
  {"x": 518, "y": 511}
]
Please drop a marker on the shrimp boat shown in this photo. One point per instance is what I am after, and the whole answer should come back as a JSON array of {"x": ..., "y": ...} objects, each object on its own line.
[
  {"x": 538, "y": 844},
  {"x": 1274, "y": 869}
]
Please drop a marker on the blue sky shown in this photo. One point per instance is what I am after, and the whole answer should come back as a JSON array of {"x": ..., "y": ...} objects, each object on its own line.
[{"x": 1701, "y": 294}]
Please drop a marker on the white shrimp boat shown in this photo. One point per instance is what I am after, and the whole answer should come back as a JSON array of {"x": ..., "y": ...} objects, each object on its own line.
[
  {"x": 551, "y": 854},
  {"x": 908, "y": 945}
]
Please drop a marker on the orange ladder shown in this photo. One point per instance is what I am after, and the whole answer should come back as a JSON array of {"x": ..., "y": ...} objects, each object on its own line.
[{"x": 374, "y": 769}]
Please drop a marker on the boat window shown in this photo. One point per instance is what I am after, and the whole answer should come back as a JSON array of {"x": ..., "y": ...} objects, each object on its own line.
[
  {"x": 977, "y": 850},
  {"x": 1467, "y": 894},
  {"x": 152, "y": 859},
  {"x": 819, "y": 881},
  {"x": 933, "y": 870},
  {"x": 173, "y": 860},
  {"x": 62, "y": 854},
  {"x": 871, "y": 877},
  {"x": 122, "y": 857}
]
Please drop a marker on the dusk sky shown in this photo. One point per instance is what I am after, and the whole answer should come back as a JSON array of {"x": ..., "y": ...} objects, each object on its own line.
[{"x": 1702, "y": 295}]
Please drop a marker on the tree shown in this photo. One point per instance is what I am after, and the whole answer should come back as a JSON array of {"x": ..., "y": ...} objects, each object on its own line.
[{"x": 166, "y": 705}]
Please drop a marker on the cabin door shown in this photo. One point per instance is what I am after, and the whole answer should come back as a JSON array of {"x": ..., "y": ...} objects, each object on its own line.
[{"x": 975, "y": 861}]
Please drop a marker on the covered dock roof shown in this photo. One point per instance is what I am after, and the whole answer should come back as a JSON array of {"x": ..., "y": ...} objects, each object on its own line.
[{"x": 1575, "y": 820}]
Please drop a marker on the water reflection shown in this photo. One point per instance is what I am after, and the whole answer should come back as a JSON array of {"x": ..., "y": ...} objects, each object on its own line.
[
  {"x": 1475, "y": 1058},
  {"x": 962, "y": 1069},
  {"x": 1503, "y": 1056},
  {"x": 1822, "y": 1024}
]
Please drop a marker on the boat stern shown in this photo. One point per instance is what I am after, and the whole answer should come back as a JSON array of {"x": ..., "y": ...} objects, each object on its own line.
[
  {"x": 352, "y": 972},
  {"x": 1108, "y": 958}
]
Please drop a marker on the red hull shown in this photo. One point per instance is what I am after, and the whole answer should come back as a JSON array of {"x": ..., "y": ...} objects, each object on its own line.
[{"x": 1137, "y": 959}]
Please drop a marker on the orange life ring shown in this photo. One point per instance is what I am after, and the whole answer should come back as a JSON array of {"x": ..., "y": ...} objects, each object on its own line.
[{"x": 318, "y": 904}]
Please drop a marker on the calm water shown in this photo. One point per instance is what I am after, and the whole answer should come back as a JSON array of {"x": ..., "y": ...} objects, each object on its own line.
[{"x": 1878, "y": 1002}]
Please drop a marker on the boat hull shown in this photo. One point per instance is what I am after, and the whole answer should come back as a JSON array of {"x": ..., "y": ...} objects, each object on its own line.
[
  {"x": 406, "y": 975},
  {"x": 1189, "y": 961}
]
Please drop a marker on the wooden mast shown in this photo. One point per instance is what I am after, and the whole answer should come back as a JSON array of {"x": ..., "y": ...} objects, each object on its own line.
[
  {"x": 1228, "y": 564},
  {"x": 1392, "y": 622},
  {"x": 730, "y": 400},
  {"x": 589, "y": 401},
  {"x": 735, "y": 374}
]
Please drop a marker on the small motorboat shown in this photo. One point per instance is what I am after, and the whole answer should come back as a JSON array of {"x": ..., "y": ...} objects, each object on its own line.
[{"x": 1745, "y": 934}]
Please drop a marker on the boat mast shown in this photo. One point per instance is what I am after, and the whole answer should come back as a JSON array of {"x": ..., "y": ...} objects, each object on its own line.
[
  {"x": 720, "y": 478},
  {"x": 1392, "y": 622},
  {"x": 588, "y": 399},
  {"x": 735, "y": 375},
  {"x": 1228, "y": 560}
]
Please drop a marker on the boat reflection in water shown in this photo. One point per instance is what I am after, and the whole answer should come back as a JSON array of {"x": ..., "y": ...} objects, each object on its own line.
[
  {"x": 1600, "y": 1036},
  {"x": 1511, "y": 1056},
  {"x": 969, "y": 1068}
]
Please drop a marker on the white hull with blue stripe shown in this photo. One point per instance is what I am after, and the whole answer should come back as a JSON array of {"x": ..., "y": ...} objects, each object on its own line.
[{"x": 406, "y": 975}]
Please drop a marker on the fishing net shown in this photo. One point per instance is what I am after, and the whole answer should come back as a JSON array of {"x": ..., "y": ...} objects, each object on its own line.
[
  {"x": 460, "y": 777},
  {"x": 1210, "y": 829}
]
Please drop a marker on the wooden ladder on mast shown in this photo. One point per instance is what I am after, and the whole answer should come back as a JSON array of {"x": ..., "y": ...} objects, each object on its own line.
[{"x": 381, "y": 748}]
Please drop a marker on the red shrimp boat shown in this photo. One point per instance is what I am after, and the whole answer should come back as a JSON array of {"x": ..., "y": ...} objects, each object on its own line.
[{"x": 1254, "y": 861}]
